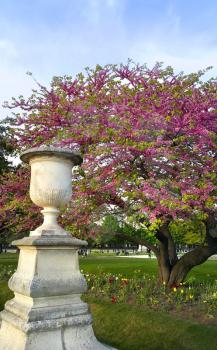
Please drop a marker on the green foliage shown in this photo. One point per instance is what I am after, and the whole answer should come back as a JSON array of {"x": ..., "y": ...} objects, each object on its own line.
[
  {"x": 6, "y": 272},
  {"x": 183, "y": 231},
  {"x": 188, "y": 232},
  {"x": 110, "y": 226},
  {"x": 6, "y": 148},
  {"x": 113, "y": 229}
]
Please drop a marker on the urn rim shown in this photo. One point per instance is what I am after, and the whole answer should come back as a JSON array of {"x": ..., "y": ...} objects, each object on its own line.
[{"x": 65, "y": 153}]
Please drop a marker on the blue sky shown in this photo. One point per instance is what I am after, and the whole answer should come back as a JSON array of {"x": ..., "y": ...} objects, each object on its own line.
[{"x": 56, "y": 37}]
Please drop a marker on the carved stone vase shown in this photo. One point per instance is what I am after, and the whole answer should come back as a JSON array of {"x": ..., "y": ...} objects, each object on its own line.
[{"x": 46, "y": 312}]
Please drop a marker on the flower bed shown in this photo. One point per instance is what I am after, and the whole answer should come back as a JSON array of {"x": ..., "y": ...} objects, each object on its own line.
[
  {"x": 189, "y": 297},
  {"x": 6, "y": 272},
  {"x": 192, "y": 298}
]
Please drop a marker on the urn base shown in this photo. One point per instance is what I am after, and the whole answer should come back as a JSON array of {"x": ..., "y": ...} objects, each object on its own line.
[{"x": 46, "y": 336}]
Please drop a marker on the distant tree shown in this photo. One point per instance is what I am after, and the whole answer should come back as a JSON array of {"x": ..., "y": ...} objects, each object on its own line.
[
  {"x": 6, "y": 148},
  {"x": 116, "y": 231},
  {"x": 184, "y": 232}
]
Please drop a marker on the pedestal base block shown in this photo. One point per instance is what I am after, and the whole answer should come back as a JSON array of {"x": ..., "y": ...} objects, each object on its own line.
[
  {"x": 46, "y": 312},
  {"x": 63, "y": 338}
]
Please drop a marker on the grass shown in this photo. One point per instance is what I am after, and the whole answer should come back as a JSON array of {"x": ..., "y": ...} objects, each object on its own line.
[
  {"x": 132, "y": 328},
  {"x": 128, "y": 327},
  {"x": 127, "y": 266},
  {"x": 8, "y": 259}
]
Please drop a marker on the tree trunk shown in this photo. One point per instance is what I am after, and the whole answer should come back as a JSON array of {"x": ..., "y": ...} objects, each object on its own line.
[
  {"x": 166, "y": 255},
  {"x": 189, "y": 260},
  {"x": 164, "y": 266},
  {"x": 177, "y": 269},
  {"x": 171, "y": 270},
  {"x": 175, "y": 274}
]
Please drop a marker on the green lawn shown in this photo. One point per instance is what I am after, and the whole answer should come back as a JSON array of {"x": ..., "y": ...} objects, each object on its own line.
[
  {"x": 128, "y": 327},
  {"x": 8, "y": 259},
  {"x": 132, "y": 328},
  {"x": 127, "y": 266}
]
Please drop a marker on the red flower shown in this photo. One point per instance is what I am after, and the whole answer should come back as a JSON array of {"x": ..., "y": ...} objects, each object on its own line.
[
  {"x": 174, "y": 285},
  {"x": 111, "y": 279},
  {"x": 114, "y": 299},
  {"x": 124, "y": 281}
]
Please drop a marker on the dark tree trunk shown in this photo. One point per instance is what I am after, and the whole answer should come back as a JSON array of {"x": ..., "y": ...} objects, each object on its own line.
[
  {"x": 164, "y": 266},
  {"x": 172, "y": 270},
  {"x": 196, "y": 257},
  {"x": 166, "y": 255}
]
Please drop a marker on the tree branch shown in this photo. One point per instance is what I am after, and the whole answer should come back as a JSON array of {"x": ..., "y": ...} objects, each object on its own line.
[{"x": 197, "y": 256}]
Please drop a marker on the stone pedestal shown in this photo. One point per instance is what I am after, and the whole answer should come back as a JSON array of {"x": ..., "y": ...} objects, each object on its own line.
[{"x": 46, "y": 312}]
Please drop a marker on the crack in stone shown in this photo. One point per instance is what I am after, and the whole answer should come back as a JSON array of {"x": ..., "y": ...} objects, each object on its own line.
[{"x": 62, "y": 338}]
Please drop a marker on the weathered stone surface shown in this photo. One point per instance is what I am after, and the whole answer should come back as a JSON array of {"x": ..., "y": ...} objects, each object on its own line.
[
  {"x": 49, "y": 151},
  {"x": 51, "y": 239},
  {"x": 63, "y": 338}
]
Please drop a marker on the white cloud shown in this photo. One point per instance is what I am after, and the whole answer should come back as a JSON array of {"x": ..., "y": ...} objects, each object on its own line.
[
  {"x": 112, "y": 3},
  {"x": 168, "y": 42},
  {"x": 13, "y": 82},
  {"x": 99, "y": 12},
  {"x": 196, "y": 58},
  {"x": 7, "y": 49},
  {"x": 102, "y": 34}
]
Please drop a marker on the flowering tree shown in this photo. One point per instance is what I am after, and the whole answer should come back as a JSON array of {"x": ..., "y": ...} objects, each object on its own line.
[{"x": 148, "y": 138}]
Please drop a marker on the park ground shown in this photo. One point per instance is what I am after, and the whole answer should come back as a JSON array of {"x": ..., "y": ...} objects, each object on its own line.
[{"x": 132, "y": 327}]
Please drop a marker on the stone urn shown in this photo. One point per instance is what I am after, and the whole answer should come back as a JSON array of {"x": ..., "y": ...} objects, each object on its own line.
[
  {"x": 47, "y": 312},
  {"x": 51, "y": 184}
]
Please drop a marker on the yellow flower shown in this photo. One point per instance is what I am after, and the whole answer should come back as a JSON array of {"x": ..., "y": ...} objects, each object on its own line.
[
  {"x": 174, "y": 289},
  {"x": 191, "y": 296},
  {"x": 164, "y": 283},
  {"x": 182, "y": 291}
]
